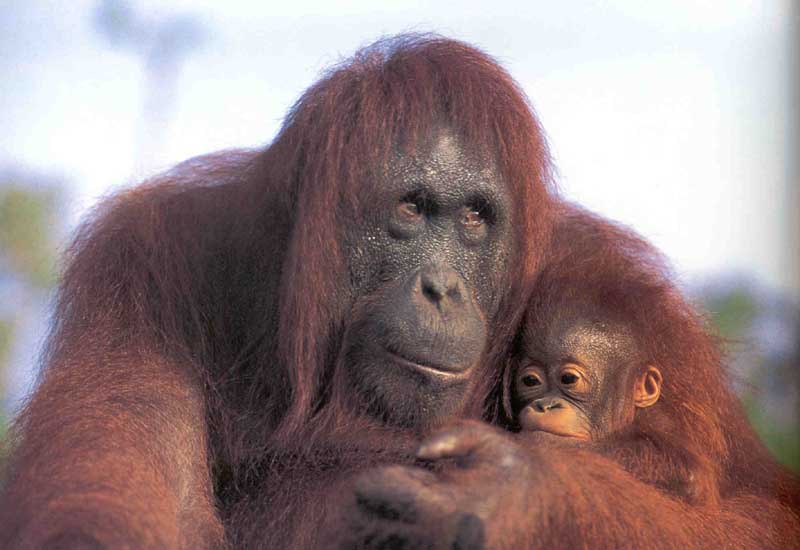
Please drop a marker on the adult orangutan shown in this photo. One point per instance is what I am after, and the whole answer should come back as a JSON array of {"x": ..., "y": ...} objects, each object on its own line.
[
  {"x": 296, "y": 313},
  {"x": 606, "y": 330},
  {"x": 249, "y": 350}
]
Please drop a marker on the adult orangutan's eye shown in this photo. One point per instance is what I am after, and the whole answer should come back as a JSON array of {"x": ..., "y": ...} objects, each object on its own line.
[
  {"x": 409, "y": 210},
  {"x": 408, "y": 215},
  {"x": 471, "y": 219},
  {"x": 477, "y": 212}
]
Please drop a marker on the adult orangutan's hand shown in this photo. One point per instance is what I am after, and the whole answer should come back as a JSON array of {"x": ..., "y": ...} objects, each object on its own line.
[{"x": 475, "y": 494}]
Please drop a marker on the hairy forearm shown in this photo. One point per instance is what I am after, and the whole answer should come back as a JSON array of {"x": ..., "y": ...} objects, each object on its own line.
[
  {"x": 110, "y": 450},
  {"x": 582, "y": 497}
]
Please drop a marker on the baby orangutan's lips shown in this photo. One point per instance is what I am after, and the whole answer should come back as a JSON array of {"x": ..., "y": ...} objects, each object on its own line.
[{"x": 562, "y": 424}]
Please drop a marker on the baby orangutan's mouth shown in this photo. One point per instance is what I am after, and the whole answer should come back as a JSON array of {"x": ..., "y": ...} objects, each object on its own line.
[
  {"x": 573, "y": 435},
  {"x": 562, "y": 424}
]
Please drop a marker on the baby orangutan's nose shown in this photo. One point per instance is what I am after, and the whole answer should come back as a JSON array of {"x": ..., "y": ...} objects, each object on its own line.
[{"x": 547, "y": 403}]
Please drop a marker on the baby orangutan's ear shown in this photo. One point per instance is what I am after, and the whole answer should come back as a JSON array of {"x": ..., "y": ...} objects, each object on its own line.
[{"x": 648, "y": 387}]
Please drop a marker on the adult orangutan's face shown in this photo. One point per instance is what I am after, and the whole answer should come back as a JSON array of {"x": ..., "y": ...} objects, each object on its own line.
[{"x": 426, "y": 265}]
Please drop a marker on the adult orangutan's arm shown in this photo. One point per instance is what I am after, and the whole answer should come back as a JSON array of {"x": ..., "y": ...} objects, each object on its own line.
[
  {"x": 110, "y": 452},
  {"x": 499, "y": 494}
]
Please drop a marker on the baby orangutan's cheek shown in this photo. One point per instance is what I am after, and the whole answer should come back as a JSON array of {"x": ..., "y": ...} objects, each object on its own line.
[{"x": 566, "y": 422}]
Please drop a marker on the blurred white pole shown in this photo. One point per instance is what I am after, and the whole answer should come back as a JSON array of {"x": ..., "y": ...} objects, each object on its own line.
[{"x": 793, "y": 237}]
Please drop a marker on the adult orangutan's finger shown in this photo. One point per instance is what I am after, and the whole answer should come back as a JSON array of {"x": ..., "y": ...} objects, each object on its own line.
[{"x": 457, "y": 441}]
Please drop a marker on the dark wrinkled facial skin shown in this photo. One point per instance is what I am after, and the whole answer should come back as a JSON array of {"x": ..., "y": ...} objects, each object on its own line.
[
  {"x": 573, "y": 376},
  {"x": 426, "y": 266}
]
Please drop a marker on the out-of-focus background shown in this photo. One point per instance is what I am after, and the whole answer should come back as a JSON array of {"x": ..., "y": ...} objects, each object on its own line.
[{"x": 676, "y": 118}]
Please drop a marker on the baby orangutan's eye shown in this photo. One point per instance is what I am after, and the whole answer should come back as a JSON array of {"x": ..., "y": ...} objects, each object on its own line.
[
  {"x": 531, "y": 380},
  {"x": 572, "y": 379},
  {"x": 569, "y": 378}
]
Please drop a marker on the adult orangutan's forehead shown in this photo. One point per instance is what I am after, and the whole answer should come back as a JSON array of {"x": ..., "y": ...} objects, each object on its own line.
[{"x": 445, "y": 162}]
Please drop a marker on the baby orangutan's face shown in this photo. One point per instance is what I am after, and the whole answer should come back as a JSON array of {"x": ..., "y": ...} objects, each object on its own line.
[
  {"x": 553, "y": 399},
  {"x": 580, "y": 378}
]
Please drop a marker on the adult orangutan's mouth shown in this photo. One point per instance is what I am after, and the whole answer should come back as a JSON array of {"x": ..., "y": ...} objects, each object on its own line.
[{"x": 434, "y": 369}]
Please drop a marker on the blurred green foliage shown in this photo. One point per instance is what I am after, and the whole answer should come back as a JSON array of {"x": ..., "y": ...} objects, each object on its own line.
[
  {"x": 782, "y": 441},
  {"x": 29, "y": 231},
  {"x": 6, "y": 335},
  {"x": 772, "y": 377},
  {"x": 733, "y": 312},
  {"x": 27, "y": 219}
]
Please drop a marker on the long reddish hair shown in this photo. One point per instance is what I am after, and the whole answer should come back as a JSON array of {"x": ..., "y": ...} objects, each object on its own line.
[
  {"x": 595, "y": 261},
  {"x": 232, "y": 264},
  {"x": 394, "y": 95}
]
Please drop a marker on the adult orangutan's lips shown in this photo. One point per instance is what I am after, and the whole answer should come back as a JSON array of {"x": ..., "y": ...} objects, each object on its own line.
[{"x": 424, "y": 366}]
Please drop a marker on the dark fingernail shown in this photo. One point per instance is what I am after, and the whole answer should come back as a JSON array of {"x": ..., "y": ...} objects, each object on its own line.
[
  {"x": 469, "y": 534},
  {"x": 398, "y": 509}
]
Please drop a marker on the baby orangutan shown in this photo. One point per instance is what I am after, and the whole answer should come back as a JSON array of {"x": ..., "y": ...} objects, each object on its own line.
[
  {"x": 611, "y": 356},
  {"x": 580, "y": 376}
]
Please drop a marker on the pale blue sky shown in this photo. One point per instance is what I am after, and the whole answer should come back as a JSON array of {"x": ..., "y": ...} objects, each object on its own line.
[{"x": 672, "y": 117}]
